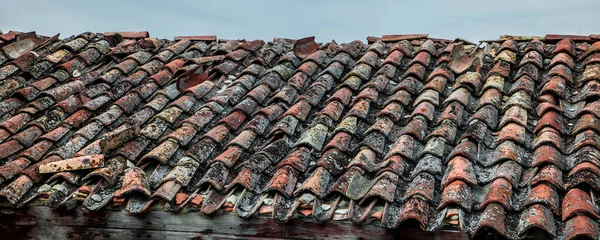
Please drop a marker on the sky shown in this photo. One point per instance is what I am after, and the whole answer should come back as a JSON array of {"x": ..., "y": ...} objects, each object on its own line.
[{"x": 343, "y": 20}]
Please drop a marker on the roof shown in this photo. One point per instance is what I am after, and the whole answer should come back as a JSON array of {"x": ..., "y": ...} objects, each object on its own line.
[{"x": 403, "y": 130}]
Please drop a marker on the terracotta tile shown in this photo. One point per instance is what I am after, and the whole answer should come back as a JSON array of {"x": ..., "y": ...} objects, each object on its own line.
[
  {"x": 35, "y": 152},
  {"x": 562, "y": 58},
  {"x": 500, "y": 68},
  {"x": 592, "y": 59},
  {"x": 233, "y": 120},
  {"x": 416, "y": 128},
  {"x": 565, "y": 45},
  {"x": 536, "y": 216},
  {"x": 526, "y": 76},
  {"x": 393, "y": 58},
  {"x": 415, "y": 70},
  {"x": 162, "y": 152},
  {"x": 548, "y": 136},
  {"x": 28, "y": 136},
  {"x": 500, "y": 192},
  {"x": 470, "y": 80},
  {"x": 423, "y": 58},
  {"x": 584, "y": 166},
  {"x": 466, "y": 149},
  {"x": 12, "y": 168},
  {"x": 393, "y": 110},
  {"x": 297, "y": 159},
  {"x": 313, "y": 137},
  {"x": 17, "y": 189},
  {"x": 564, "y": 72},
  {"x": 9, "y": 148},
  {"x": 418, "y": 210},
  {"x": 460, "y": 95},
  {"x": 424, "y": 109},
  {"x": 550, "y": 174},
  {"x": 581, "y": 226},
  {"x": 586, "y": 138},
  {"x": 513, "y": 132},
  {"x": 437, "y": 84},
  {"x": 509, "y": 170},
  {"x": 217, "y": 176},
  {"x": 544, "y": 194},
  {"x": 507, "y": 56},
  {"x": 493, "y": 217},
  {"x": 514, "y": 114},
  {"x": 283, "y": 181},
  {"x": 299, "y": 110},
  {"x": 16, "y": 122},
  {"x": 583, "y": 177},
  {"x": 316, "y": 183},
  {"x": 459, "y": 168},
  {"x": 578, "y": 202},
  {"x": 423, "y": 186},
  {"x": 456, "y": 193},
  {"x": 489, "y": 115},
  {"x": 446, "y": 130},
  {"x": 384, "y": 187},
  {"x": 532, "y": 57},
  {"x": 78, "y": 163},
  {"x": 369, "y": 58}
]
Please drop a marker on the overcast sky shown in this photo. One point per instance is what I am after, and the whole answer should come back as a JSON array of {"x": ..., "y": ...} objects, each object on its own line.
[{"x": 343, "y": 20}]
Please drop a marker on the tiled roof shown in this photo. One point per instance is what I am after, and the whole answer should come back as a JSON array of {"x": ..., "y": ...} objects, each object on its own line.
[{"x": 402, "y": 130}]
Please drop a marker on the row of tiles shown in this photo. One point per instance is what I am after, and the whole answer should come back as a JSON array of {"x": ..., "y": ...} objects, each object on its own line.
[{"x": 351, "y": 182}]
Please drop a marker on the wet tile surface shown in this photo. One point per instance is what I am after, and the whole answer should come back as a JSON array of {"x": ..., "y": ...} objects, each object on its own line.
[{"x": 402, "y": 130}]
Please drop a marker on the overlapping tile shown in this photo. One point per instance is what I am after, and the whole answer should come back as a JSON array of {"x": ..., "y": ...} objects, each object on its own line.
[{"x": 402, "y": 131}]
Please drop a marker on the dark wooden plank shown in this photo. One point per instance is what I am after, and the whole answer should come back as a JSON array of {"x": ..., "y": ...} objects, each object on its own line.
[{"x": 45, "y": 223}]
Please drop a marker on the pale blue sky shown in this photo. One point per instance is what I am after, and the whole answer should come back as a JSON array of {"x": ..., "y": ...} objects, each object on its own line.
[{"x": 340, "y": 20}]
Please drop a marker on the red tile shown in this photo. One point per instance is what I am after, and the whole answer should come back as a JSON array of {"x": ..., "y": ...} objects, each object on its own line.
[
  {"x": 565, "y": 45},
  {"x": 471, "y": 80},
  {"x": 130, "y": 35},
  {"x": 544, "y": 194},
  {"x": 422, "y": 186},
  {"x": 423, "y": 58},
  {"x": 134, "y": 181},
  {"x": 500, "y": 192},
  {"x": 584, "y": 166},
  {"x": 456, "y": 193},
  {"x": 384, "y": 187},
  {"x": 578, "y": 202},
  {"x": 493, "y": 217},
  {"x": 9, "y": 148},
  {"x": 283, "y": 181},
  {"x": 562, "y": 58},
  {"x": 532, "y": 57},
  {"x": 562, "y": 71},
  {"x": 234, "y": 120},
  {"x": 207, "y": 38},
  {"x": 513, "y": 132},
  {"x": 299, "y": 110},
  {"x": 416, "y": 209},
  {"x": 424, "y": 109},
  {"x": 12, "y": 168},
  {"x": 581, "y": 226},
  {"x": 548, "y": 136},
  {"x": 400, "y": 37},
  {"x": 339, "y": 141},
  {"x": 305, "y": 46},
  {"x": 537, "y": 216},
  {"x": 459, "y": 168},
  {"x": 393, "y": 58},
  {"x": 550, "y": 174},
  {"x": 297, "y": 159},
  {"x": 316, "y": 183}
]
